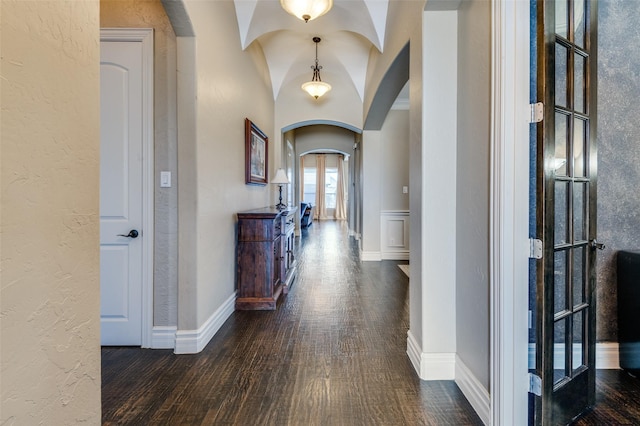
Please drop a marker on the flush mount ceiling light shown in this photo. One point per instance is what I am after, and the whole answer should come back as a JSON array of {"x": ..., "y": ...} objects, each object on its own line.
[
  {"x": 316, "y": 87},
  {"x": 306, "y": 10}
]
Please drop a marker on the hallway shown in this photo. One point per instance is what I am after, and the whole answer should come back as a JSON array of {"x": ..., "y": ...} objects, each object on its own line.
[{"x": 333, "y": 353}]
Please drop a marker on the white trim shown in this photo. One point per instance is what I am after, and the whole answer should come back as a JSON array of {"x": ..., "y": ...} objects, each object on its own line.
[
  {"x": 430, "y": 366},
  {"x": 438, "y": 366},
  {"x": 370, "y": 256},
  {"x": 145, "y": 37},
  {"x": 413, "y": 351},
  {"x": 400, "y": 105},
  {"x": 394, "y": 247},
  {"x": 509, "y": 211},
  {"x": 607, "y": 355},
  {"x": 164, "y": 337},
  {"x": 394, "y": 255},
  {"x": 194, "y": 341},
  {"x": 473, "y": 390}
]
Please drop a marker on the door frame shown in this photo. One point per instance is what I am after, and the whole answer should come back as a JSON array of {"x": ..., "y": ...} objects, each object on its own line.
[
  {"x": 509, "y": 245},
  {"x": 144, "y": 36}
]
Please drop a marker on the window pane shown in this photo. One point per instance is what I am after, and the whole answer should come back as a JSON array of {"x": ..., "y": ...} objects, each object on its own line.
[
  {"x": 560, "y": 281},
  {"x": 579, "y": 211},
  {"x": 579, "y": 147},
  {"x": 309, "y": 193},
  {"x": 331, "y": 187},
  {"x": 579, "y": 22},
  {"x": 580, "y": 89},
  {"x": 561, "y": 75},
  {"x": 562, "y": 132},
  {"x": 579, "y": 346},
  {"x": 562, "y": 17},
  {"x": 578, "y": 276},
  {"x": 559, "y": 346},
  {"x": 561, "y": 235}
]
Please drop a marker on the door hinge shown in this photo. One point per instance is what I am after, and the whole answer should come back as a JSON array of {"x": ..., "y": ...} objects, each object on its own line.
[
  {"x": 535, "y": 248},
  {"x": 535, "y": 384},
  {"x": 537, "y": 112}
]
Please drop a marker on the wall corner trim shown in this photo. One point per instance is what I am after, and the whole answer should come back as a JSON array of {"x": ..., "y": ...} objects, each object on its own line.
[
  {"x": 473, "y": 390},
  {"x": 430, "y": 366},
  {"x": 370, "y": 256},
  {"x": 163, "y": 337},
  {"x": 194, "y": 341}
]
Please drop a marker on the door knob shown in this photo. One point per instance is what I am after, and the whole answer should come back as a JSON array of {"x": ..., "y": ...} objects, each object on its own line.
[
  {"x": 595, "y": 244},
  {"x": 132, "y": 234}
]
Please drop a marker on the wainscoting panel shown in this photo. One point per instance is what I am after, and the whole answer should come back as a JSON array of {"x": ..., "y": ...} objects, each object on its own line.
[{"x": 394, "y": 234}]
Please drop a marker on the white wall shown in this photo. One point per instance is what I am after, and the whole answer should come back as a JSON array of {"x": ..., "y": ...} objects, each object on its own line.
[
  {"x": 395, "y": 160},
  {"x": 227, "y": 91},
  {"x": 473, "y": 197},
  {"x": 371, "y": 195},
  {"x": 385, "y": 172},
  {"x": 50, "y": 294},
  {"x": 323, "y": 137},
  {"x": 151, "y": 14},
  {"x": 438, "y": 194}
]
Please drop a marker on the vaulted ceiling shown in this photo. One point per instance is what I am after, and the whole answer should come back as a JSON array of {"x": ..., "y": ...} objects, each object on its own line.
[{"x": 348, "y": 31}]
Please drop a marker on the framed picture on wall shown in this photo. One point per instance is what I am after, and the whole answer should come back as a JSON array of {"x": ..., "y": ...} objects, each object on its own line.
[{"x": 256, "y": 154}]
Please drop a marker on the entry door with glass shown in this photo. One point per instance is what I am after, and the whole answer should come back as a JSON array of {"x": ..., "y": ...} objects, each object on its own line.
[{"x": 566, "y": 210}]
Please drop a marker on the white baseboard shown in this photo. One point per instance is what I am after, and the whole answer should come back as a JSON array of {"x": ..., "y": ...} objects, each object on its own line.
[
  {"x": 413, "y": 351},
  {"x": 473, "y": 390},
  {"x": 370, "y": 256},
  {"x": 194, "y": 341},
  {"x": 395, "y": 255},
  {"x": 430, "y": 366},
  {"x": 606, "y": 355},
  {"x": 163, "y": 337}
]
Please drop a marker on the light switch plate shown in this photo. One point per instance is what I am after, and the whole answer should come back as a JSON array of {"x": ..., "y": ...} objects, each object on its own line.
[
  {"x": 165, "y": 179},
  {"x": 405, "y": 189}
]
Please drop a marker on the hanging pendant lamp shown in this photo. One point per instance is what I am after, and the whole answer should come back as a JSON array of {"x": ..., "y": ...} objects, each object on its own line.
[
  {"x": 306, "y": 10},
  {"x": 316, "y": 87}
]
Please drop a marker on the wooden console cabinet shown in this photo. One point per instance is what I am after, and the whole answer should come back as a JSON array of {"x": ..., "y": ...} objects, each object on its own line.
[{"x": 266, "y": 257}]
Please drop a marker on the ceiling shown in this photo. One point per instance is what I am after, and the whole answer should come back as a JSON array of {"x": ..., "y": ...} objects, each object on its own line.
[{"x": 348, "y": 31}]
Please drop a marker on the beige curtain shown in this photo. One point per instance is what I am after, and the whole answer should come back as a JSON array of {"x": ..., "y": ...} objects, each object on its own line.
[
  {"x": 341, "y": 202},
  {"x": 321, "y": 209}
]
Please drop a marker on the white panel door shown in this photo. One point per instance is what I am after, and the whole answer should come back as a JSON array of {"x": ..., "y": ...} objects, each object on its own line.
[{"x": 121, "y": 193}]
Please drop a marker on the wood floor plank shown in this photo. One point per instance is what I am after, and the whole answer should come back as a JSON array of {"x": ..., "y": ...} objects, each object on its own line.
[{"x": 333, "y": 353}]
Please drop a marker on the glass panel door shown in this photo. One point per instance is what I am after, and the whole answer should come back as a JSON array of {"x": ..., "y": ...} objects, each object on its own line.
[{"x": 565, "y": 209}]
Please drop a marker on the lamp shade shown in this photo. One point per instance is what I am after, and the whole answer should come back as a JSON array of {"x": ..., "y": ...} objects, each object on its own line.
[
  {"x": 316, "y": 88},
  {"x": 306, "y": 10},
  {"x": 280, "y": 178}
]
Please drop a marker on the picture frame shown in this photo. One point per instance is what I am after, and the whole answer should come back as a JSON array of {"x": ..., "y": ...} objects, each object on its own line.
[{"x": 256, "y": 154}]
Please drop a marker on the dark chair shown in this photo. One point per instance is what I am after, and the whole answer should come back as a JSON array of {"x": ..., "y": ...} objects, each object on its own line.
[{"x": 306, "y": 214}]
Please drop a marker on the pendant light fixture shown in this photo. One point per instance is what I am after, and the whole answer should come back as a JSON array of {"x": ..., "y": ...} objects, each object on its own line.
[
  {"x": 306, "y": 10},
  {"x": 316, "y": 87}
]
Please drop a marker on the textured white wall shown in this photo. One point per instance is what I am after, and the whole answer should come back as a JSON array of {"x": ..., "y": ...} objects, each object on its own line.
[
  {"x": 151, "y": 14},
  {"x": 50, "y": 295}
]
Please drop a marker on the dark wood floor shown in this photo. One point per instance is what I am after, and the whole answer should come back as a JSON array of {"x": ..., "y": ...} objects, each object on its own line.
[
  {"x": 333, "y": 353},
  {"x": 617, "y": 400}
]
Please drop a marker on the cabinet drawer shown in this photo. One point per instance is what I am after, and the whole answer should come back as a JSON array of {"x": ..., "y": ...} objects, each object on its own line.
[{"x": 258, "y": 230}]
